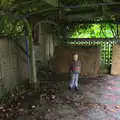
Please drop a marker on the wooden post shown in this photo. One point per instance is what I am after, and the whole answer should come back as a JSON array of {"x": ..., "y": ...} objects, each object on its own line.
[
  {"x": 117, "y": 30},
  {"x": 32, "y": 61},
  {"x": 29, "y": 33}
]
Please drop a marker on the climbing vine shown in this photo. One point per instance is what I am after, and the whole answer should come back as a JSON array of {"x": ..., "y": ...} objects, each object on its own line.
[
  {"x": 10, "y": 27},
  {"x": 95, "y": 31}
]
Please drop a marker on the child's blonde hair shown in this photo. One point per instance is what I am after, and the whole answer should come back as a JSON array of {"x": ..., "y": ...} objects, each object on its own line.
[{"x": 75, "y": 54}]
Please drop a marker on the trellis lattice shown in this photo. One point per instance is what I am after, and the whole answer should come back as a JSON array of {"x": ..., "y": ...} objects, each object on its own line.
[{"x": 105, "y": 45}]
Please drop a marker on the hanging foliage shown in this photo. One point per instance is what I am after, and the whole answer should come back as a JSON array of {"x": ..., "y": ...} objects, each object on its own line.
[
  {"x": 11, "y": 9},
  {"x": 10, "y": 27},
  {"x": 95, "y": 31}
]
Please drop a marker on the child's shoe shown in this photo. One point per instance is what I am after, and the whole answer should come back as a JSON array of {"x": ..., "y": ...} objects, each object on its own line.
[
  {"x": 69, "y": 88},
  {"x": 76, "y": 88}
]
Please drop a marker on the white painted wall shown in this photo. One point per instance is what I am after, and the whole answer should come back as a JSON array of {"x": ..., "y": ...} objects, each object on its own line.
[{"x": 45, "y": 49}]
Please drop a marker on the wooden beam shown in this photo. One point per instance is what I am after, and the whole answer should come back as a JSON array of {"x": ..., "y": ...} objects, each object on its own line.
[
  {"x": 82, "y": 11},
  {"x": 33, "y": 79},
  {"x": 94, "y": 4},
  {"x": 76, "y": 17},
  {"x": 90, "y": 39},
  {"x": 41, "y": 11},
  {"x": 52, "y": 2},
  {"x": 87, "y": 22}
]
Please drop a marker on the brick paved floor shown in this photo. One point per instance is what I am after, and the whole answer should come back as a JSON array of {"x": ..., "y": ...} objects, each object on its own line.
[{"x": 97, "y": 99}]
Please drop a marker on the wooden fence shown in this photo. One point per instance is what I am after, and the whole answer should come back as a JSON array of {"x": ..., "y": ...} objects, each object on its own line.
[{"x": 105, "y": 45}]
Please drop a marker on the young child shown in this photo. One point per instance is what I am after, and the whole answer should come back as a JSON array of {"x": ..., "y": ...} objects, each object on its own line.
[{"x": 74, "y": 70}]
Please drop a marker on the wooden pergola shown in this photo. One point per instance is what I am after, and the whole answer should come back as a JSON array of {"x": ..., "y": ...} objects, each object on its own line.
[{"x": 60, "y": 12}]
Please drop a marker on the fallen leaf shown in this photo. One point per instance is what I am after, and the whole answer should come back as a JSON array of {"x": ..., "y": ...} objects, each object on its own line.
[
  {"x": 33, "y": 106},
  {"x": 68, "y": 97},
  {"x": 53, "y": 96},
  {"x": 68, "y": 101},
  {"x": 18, "y": 104},
  {"x": 7, "y": 115},
  {"x": 117, "y": 107},
  {"x": 109, "y": 87},
  {"x": 76, "y": 104},
  {"x": 13, "y": 95},
  {"x": 1, "y": 108},
  {"x": 4, "y": 110},
  {"x": 10, "y": 109},
  {"x": 21, "y": 110},
  {"x": 78, "y": 96},
  {"x": 49, "y": 110},
  {"x": 112, "y": 110}
]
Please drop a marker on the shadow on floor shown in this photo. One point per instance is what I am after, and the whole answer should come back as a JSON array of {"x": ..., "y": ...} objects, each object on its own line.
[{"x": 97, "y": 99}]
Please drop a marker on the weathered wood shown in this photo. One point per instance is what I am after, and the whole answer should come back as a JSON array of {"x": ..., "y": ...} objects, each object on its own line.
[
  {"x": 63, "y": 56},
  {"x": 76, "y": 17},
  {"x": 52, "y": 2},
  {"x": 115, "y": 70},
  {"x": 92, "y": 5},
  {"x": 90, "y": 39},
  {"x": 86, "y": 22},
  {"x": 32, "y": 65}
]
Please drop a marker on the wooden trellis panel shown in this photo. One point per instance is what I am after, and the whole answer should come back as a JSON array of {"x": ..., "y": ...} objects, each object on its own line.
[
  {"x": 105, "y": 44},
  {"x": 115, "y": 69},
  {"x": 90, "y": 60}
]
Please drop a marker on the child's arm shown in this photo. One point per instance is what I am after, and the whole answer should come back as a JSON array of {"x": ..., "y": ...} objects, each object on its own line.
[
  {"x": 70, "y": 68},
  {"x": 79, "y": 66}
]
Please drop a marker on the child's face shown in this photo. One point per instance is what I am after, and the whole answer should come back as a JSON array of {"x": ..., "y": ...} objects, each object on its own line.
[{"x": 75, "y": 57}]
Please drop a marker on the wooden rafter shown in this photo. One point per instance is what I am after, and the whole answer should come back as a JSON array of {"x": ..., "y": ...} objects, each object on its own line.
[
  {"x": 90, "y": 39},
  {"x": 52, "y": 2},
  {"x": 92, "y": 5},
  {"x": 89, "y": 22}
]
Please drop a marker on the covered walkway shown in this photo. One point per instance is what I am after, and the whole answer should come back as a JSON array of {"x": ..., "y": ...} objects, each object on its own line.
[
  {"x": 97, "y": 99},
  {"x": 41, "y": 26}
]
